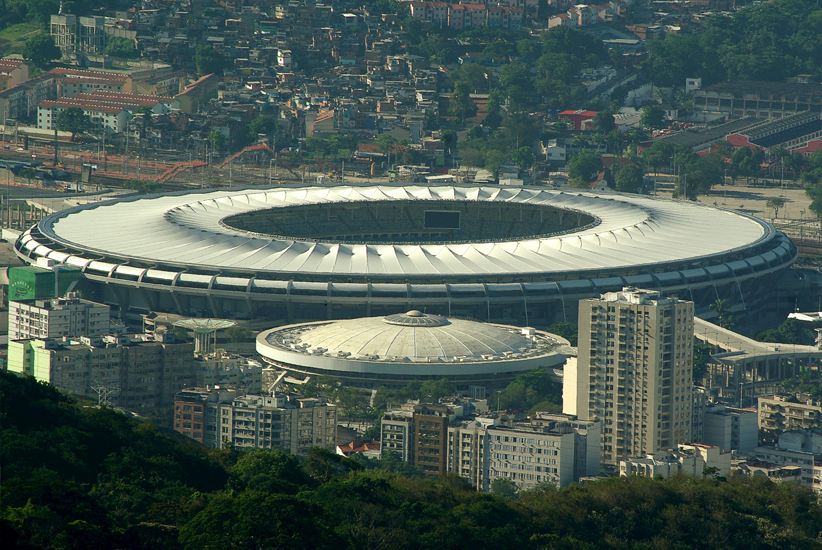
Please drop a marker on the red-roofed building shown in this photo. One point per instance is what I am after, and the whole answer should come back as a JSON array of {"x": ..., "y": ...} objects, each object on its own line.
[
  {"x": 12, "y": 73},
  {"x": 370, "y": 449},
  {"x": 197, "y": 93},
  {"x": 578, "y": 118},
  {"x": 110, "y": 110}
]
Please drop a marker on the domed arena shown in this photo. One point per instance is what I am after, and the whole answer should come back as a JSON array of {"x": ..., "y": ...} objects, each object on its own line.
[
  {"x": 512, "y": 255},
  {"x": 396, "y": 349}
]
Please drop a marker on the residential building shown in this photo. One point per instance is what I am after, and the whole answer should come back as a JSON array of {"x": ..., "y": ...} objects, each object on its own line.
[
  {"x": 71, "y": 317},
  {"x": 284, "y": 59},
  {"x": 468, "y": 448},
  {"x": 222, "y": 369},
  {"x": 550, "y": 449},
  {"x": 91, "y": 34},
  {"x": 808, "y": 464},
  {"x": 20, "y": 102},
  {"x": 785, "y": 413},
  {"x": 809, "y": 441},
  {"x": 634, "y": 372},
  {"x": 396, "y": 433},
  {"x": 12, "y": 73},
  {"x": 141, "y": 371},
  {"x": 111, "y": 111},
  {"x": 190, "y": 411},
  {"x": 198, "y": 93},
  {"x": 730, "y": 428},
  {"x": 430, "y": 451},
  {"x": 113, "y": 118},
  {"x": 168, "y": 84},
  {"x": 698, "y": 407},
  {"x": 78, "y": 34},
  {"x": 687, "y": 459},
  {"x": 63, "y": 29},
  {"x": 274, "y": 421},
  {"x": 79, "y": 81}
]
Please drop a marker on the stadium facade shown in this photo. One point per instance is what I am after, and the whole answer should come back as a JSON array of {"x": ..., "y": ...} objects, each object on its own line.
[{"x": 513, "y": 255}]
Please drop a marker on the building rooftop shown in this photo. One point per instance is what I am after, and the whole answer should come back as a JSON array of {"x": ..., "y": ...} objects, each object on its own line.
[{"x": 410, "y": 337}]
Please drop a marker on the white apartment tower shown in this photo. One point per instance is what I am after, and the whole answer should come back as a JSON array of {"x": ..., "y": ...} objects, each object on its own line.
[
  {"x": 634, "y": 372},
  {"x": 56, "y": 317}
]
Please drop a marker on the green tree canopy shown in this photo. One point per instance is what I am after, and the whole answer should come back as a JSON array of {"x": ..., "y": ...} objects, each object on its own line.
[
  {"x": 117, "y": 46},
  {"x": 584, "y": 166},
  {"x": 74, "y": 120},
  {"x": 40, "y": 49},
  {"x": 207, "y": 60},
  {"x": 629, "y": 179},
  {"x": 653, "y": 117}
]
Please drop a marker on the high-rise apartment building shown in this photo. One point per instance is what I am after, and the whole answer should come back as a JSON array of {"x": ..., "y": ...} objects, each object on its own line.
[
  {"x": 57, "y": 317},
  {"x": 397, "y": 433},
  {"x": 634, "y": 372},
  {"x": 142, "y": 371},
  {"x": 430, "y": 438}
]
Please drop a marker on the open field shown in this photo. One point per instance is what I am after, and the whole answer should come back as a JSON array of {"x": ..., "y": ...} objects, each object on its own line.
[
  {"x": 13, "y": 38},
  {"x": 795, "y": 218}
]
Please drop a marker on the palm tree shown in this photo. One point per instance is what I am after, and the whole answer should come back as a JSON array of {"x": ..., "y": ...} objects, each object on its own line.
[{"x": 720, "y": 306}]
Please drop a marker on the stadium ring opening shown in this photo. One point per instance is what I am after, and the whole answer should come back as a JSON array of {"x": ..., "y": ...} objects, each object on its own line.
[{"x": 512, "y": 255}]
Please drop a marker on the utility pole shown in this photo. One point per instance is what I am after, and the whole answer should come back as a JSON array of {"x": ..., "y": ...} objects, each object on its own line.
[{"x": 105, "y": 392}]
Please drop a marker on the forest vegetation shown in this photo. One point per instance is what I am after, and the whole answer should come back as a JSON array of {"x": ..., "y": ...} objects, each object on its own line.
[{"x": 82, "y": 477}]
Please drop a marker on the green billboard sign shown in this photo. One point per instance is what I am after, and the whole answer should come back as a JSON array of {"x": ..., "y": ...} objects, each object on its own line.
[{"x": 30, "y": 283}]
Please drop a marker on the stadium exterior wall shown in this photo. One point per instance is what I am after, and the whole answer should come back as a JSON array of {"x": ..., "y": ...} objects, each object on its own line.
[{"x": 746, "y": 276}]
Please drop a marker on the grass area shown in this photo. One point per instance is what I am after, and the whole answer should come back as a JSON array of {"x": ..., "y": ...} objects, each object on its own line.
[{"x": 13, "y": 38}]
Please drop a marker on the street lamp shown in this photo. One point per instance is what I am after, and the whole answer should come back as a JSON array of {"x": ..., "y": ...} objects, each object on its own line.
[{"x": 270, "y": 162}]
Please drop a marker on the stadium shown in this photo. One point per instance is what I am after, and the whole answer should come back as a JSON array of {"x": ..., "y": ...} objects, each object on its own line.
[
  {"x": 394, "y": 350},
  {"x": 511, "y": 255}
]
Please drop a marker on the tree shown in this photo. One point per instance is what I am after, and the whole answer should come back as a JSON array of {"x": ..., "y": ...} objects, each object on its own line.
[
  {"x": 461, "y": 103},
  {"x": 493, "y": 160},
  {"x": 41, "y": 49},
  {"x": 584, "y": 166},
  {"x": 567, "y": 330},
  {"x": 386, "y": 144},
  {"x": 658, "y": 154},
  {"x": 629, "y": 179},
  {"x": 720, "y": 306},
  {"x": 217, "y": 140},
  {"x": 73, "y": 120},
  {"x": 604, "y": 122},
  {"x": 523, "y": 158},
  {"x": 207, "y": 60},
  {"x": 261, "y": 125},
  {"x": 504, "y": 487},
  {"x": 791, "y": 331},
  {"x": 776, "y": 203},
  {"x": 117, "y": 46},
  {"x": 237, "y": 334},
  {"x": 702, "y": 357},
  {"x": 653, "y": 117}
]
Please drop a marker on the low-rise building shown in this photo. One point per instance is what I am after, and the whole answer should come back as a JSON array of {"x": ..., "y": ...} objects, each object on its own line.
[
  {"x": 784, "y": 413},
  {"x": 550, "y": 449},
  {"x": 730, "y": 428},
  {"x": 694, "y": 459},
  {"x": 228, "y": 370},
  {"x": 803, "y": 467}
]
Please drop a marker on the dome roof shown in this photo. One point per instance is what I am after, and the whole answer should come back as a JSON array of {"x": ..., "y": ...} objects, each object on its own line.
[{"x": 414, "y": 336}]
